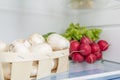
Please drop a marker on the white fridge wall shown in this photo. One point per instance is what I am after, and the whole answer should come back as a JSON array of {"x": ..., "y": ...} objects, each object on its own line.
[
  {"x": 20, "y": 18},
  {"x": 96, "y": 18},
  {"x": 111, "y": 34},
  {"x": 102, "y": 14},
  {"x": 8, "y": 25}
]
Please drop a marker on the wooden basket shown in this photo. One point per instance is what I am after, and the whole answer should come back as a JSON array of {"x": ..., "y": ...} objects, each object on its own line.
[{"x": 22, "y": 64}]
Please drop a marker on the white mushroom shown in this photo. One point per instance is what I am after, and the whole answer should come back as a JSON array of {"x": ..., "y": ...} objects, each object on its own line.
[
  {"x": 43, "y": 48},
  {"x": 36, "y": 39},
  {"x": 58, "y": 42},
  {"x": 3, "y": 46},
  {"x": 19, "y": 46}
]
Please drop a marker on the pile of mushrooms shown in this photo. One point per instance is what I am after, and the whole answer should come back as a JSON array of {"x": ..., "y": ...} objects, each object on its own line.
[{"x": 36, "y": 43}]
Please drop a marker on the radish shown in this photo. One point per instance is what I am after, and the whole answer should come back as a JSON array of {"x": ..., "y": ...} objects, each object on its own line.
[
  {"x": 85, "y": 40},
  {"x": 103, "y": 45},
  {"x": 95, "y": 47},
  {"x": 76, "y": 57},
  {"x": 85, "y": 49},
  {"x": 90, "y": 58},
  {"x": 98, "y": 55},
  {"x": 74, "y": 45}
]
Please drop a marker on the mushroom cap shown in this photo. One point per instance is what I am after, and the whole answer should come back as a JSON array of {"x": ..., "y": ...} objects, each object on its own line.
[{"x": 36, "y": 39}]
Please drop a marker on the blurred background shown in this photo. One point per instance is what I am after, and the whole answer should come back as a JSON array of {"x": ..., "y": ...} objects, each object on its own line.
[{"x": 20, "y": 18}]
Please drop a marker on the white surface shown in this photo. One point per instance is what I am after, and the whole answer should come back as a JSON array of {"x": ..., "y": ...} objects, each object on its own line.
[{"x": 111, "y": 34}]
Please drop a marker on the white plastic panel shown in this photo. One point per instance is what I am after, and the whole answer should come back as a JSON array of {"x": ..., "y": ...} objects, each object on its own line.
[
  {"x": 8, "y": 25},
  {"x": 111, "y": 34},
  {"x": 32, "y": 23},
  {"x": 103, "y": 14},
  {"x": 20, "y": 18},
  {"x": 42, "y": 6},
  {"x": 9, "y": 4},
  {"x": 96, "y": 18}
]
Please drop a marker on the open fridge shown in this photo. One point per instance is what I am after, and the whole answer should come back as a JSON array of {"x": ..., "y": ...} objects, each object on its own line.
[{"x": 20, "y": 18}]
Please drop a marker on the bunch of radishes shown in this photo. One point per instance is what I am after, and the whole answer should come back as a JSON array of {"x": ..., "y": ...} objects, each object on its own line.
[{"x": 87, "y": 50}]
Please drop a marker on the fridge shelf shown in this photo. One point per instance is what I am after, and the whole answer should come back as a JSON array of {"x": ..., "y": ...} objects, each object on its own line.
[{"x": 85, "y": 69}]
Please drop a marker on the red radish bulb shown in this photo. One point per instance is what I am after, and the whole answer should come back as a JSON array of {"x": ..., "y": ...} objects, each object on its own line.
[
  {"x": 95, "y": 47},
  {"x": 76, "y": 57},
  {"x": 85, "y": 40},
  {"x": 85, "y": 49},
  {"x": 74, "y": 45},
  {"x": 98, "y": 55},
  {"x": 90, "y": 58},
  {"x": 103, "y": 45}
]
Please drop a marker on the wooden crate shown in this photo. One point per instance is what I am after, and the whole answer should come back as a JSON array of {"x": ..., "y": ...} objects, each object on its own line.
[{"x": 22, "y": 64}]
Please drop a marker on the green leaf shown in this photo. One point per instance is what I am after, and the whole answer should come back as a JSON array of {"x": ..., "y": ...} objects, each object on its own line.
[
  {"x": 46, "y": 35},
  {"x": 75, "y": 31}
]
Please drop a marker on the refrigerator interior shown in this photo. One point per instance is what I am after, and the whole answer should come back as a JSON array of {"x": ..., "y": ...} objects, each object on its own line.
[{"x": 20, "y": 18}]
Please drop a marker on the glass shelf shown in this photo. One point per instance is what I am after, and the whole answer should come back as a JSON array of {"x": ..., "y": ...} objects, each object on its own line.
[{"x": 84, "y": 69}]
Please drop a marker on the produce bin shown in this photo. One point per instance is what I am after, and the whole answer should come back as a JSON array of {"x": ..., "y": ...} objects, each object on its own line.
[{"x": 21, "y": 65}]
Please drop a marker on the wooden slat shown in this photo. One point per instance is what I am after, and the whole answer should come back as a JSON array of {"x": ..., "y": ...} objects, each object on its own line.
[
  {"x": 18, "y": 57},
  {"x": 44, "y": 68},
  {"x": 21, "y": 71},
  {"x": 63, "y": 64},
  {"x": 1, "y": 72}
]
